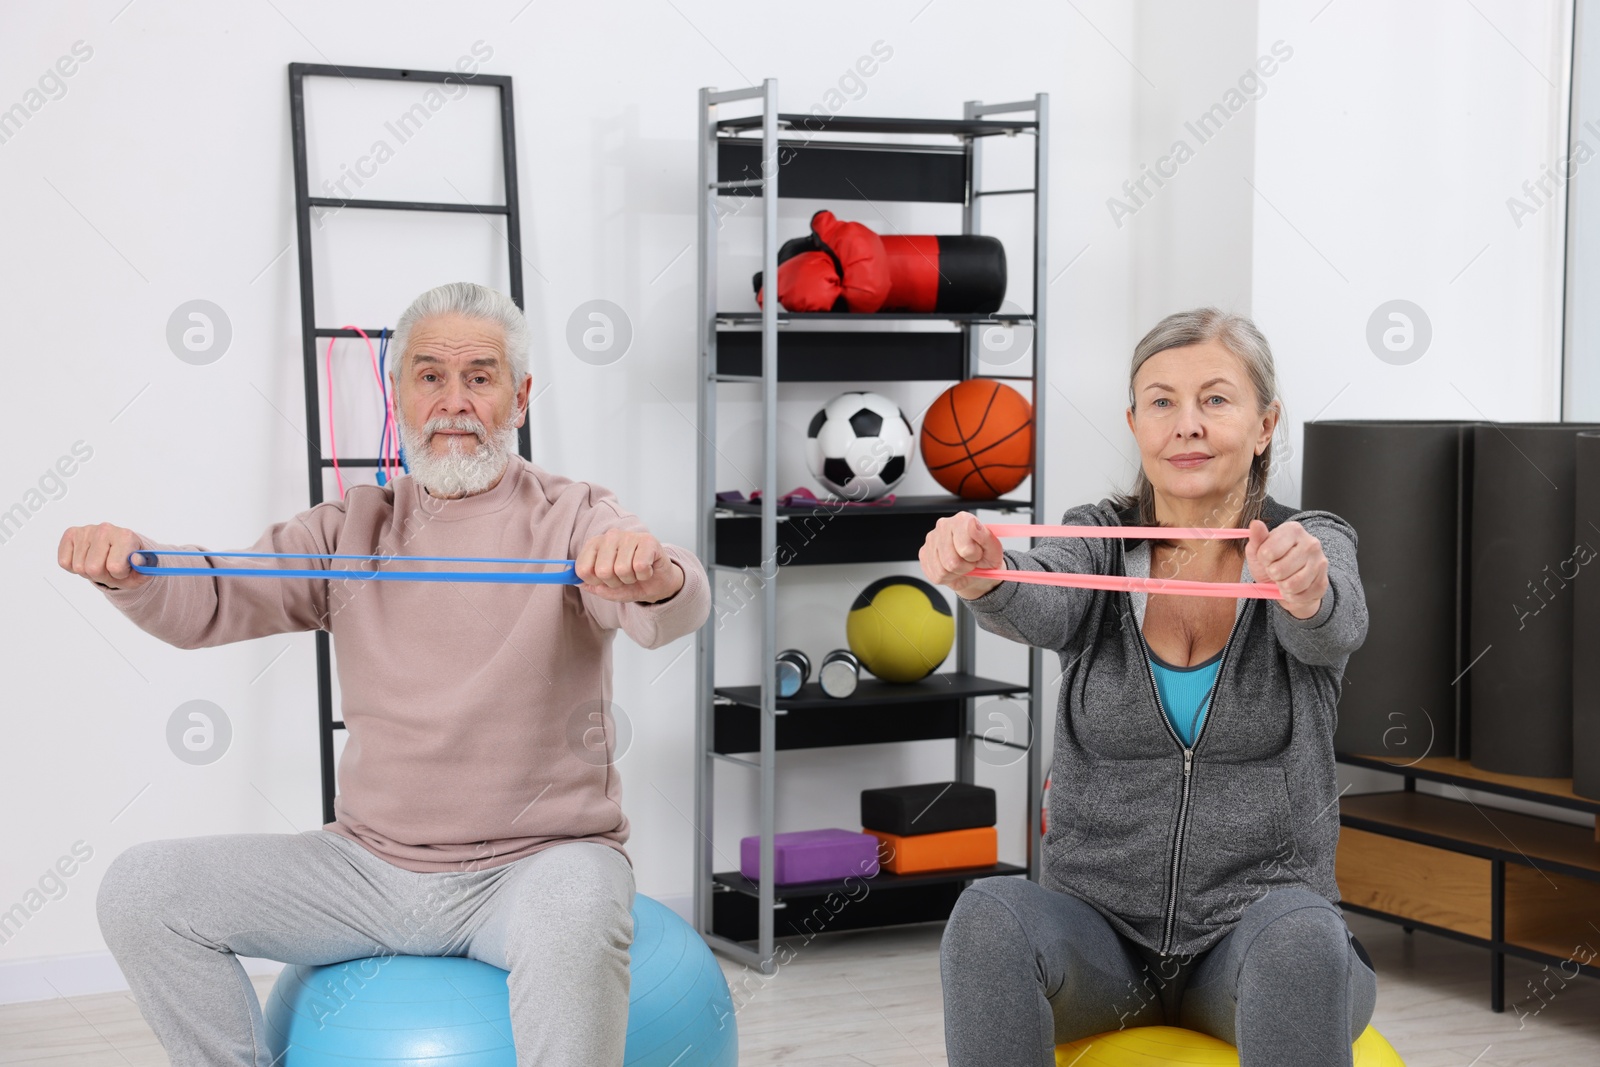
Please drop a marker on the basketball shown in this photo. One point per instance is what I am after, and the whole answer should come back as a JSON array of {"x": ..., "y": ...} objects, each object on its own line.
[{"x": 977, "y": 439}]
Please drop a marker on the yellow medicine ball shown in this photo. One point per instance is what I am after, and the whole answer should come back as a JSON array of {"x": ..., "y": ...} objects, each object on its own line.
[
  {"x": 900, "y": 629},
  {"x": 1170, "y": 1046}
]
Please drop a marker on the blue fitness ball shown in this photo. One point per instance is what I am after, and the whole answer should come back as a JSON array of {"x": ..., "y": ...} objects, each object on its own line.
[{"x": 393, "y": 1010}]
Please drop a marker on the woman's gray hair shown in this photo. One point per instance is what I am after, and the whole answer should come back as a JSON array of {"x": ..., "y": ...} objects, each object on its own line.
[
  {"x": 1241, "y": 337},
  {"x": 475, "y": 302}
]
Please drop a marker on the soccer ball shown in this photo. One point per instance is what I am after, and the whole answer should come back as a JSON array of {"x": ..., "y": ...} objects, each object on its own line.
[{"x": 858, "y": 445}]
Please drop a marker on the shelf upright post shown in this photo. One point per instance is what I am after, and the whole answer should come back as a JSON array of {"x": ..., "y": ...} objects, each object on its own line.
[
  {"x": 966, "y": 626},
  {"x": 706, "y": 521},
  {"x": 1041, "y": 283},
  {"x": 970, "y": 220},
  {"x": 769, "y": 514}
]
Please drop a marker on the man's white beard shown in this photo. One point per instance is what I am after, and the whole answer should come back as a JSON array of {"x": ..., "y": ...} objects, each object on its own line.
[{"x": 459, "y": 472}]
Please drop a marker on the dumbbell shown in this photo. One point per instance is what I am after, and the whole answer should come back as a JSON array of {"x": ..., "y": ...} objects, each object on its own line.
[
  {"x": 837, "y": 677},
  {"x": 839, "y": 673},
  {"x": 793, "y": 667}
]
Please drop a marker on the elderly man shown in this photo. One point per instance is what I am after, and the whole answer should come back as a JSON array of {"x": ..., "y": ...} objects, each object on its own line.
[{"x": 479, "y": 811}]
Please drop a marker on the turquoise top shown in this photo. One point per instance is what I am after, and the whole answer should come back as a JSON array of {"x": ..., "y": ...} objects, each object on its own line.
[{"x": 1185, "y": 692}]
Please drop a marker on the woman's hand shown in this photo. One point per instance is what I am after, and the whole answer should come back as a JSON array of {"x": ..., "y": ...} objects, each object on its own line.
[
  {"x": 958, "y": 544},
  {"x": 1293, "y": 558}
]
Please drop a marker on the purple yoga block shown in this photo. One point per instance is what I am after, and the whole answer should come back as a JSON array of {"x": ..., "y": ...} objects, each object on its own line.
[{"x": 812, "y": 856}]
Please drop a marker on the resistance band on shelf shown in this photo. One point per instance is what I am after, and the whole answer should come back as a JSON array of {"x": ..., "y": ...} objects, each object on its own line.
[
  {"x": 389, "y": 460},
  {"x": 1122, "y": 583},
  {"x": 148, "y": 562}
]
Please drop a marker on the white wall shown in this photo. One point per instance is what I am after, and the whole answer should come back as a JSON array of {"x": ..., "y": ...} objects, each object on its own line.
[
  {"x": 163, "y": 175},
  {"x": 1387, "y": 160},
  {"x": 1384, "y": 162}
]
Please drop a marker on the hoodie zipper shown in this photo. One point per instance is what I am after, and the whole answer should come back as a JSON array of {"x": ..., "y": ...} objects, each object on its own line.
[{"x": 1188, "y": 766}]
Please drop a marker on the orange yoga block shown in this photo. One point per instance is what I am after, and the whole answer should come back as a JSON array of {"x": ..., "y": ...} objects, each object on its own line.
[{"x": 947, "y": 850}]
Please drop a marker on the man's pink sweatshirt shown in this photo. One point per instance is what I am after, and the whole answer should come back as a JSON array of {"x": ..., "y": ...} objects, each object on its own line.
[{"x": 478, "y": 716}]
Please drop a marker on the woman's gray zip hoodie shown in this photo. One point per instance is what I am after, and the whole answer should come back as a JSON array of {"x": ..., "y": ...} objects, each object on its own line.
[{"x": 1171, "y": 843}]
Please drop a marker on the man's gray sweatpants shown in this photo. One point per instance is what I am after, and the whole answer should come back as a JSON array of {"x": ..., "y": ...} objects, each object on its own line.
[
  {"x": 1026, "y": 968},
  {"x": 175, "y": 913}
]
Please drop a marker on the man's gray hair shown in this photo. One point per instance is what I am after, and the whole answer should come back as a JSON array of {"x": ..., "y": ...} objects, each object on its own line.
[{"x": 476, "y": 302}]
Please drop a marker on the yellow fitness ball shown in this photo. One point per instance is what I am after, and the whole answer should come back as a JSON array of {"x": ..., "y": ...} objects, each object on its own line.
[
  {"x": 1171, "y": 1046},
  {"x": 900, "y": 629}
]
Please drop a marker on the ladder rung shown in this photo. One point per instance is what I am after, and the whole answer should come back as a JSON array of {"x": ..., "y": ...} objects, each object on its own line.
[
  {"x": 1003, "y": 192},
  {"x": 373, "y": 332},
  {"x": 407, "y": 205},
  {"x": 362, "y": 461},
  {"x": 742, "y": 183}
]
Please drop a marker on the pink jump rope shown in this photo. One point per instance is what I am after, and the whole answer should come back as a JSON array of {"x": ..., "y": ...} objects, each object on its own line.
[{"x": 389, "y": 459}]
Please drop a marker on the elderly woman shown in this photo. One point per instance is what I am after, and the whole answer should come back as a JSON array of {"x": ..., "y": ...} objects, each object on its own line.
[{"x": 1188, "y": 874}]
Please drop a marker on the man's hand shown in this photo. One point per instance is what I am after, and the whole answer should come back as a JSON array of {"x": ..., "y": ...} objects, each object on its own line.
[
  {"x": 1293, "y": 558},
  {"x": 628, "y": 565},
  {"x": 101, "y": 554}
]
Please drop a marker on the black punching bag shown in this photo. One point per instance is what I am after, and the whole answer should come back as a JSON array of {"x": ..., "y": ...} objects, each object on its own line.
[
  {"x": 1523, "y": 564},
  {"x": 1586, "y": 624},
  {"x": 1404, "y": 485}
]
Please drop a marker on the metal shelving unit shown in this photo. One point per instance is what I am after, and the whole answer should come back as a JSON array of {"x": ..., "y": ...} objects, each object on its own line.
[{"x": 771, "y": 155}]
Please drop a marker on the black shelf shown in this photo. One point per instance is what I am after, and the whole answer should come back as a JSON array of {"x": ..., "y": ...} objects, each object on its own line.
[
  {"x": 738, "y": 883},
  {"x": 811, "y": 170},
  {"x": 848, "y": 355},
  {"x": 945, "y": 685},
  {"x": 935, "y": 504},
  {"x": 814, "y": 907},
  {"x": 840, "y": 532},
  {"x": 812, "y": 124},
  {"x": 878, "y": 712}
]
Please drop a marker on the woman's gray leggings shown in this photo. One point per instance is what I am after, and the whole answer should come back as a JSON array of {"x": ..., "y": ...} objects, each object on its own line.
[
  {"x": 1026, "y": 968},
  {"x": 174, "y": 914}
]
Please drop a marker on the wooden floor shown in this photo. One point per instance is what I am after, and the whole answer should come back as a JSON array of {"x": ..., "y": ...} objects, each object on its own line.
[{"x": 873, "y": 998}]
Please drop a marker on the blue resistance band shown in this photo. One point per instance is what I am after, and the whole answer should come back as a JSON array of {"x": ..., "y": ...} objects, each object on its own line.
[
  {"x": 566, "y": 576},
  {"x": 394, "y": 428},
  {"x": 383, "y": 386}
]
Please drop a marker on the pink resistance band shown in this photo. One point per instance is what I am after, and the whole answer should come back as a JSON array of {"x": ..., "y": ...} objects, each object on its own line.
[{"x": 1122, "y": 583}]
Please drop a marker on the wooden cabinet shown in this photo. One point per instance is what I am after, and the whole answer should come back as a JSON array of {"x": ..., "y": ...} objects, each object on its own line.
[{"x": 1516, "y": 884}]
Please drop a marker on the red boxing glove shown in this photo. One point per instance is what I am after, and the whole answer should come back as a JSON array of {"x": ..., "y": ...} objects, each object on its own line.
[
  {"x": 808, "y": 282},
  {"x": 863, "y": 263},
  {"x": 844, "y": 266}
]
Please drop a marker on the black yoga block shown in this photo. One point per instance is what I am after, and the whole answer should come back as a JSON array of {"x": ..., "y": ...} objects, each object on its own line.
[
  {"x": 1405, "y": 485},
  {"x": 1524, "y": 562},
  {"x": 1586, "y": 625},
  {"x": 927, "y": 809}
]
